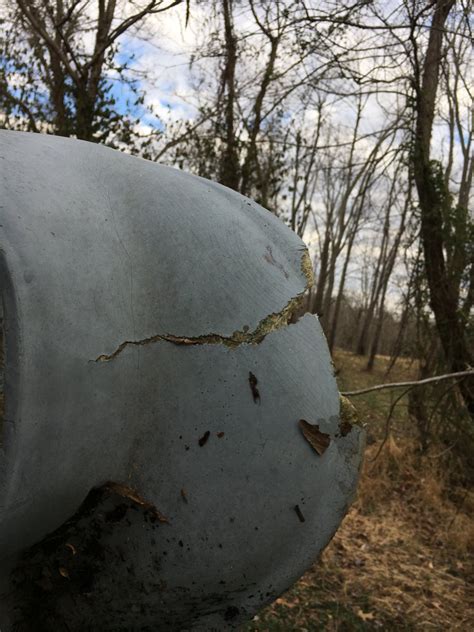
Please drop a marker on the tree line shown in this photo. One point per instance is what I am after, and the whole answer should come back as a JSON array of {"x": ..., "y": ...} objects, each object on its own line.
[{"x": 352, "y": 121}]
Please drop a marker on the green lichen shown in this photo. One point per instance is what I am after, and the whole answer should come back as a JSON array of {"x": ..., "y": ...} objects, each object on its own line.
[
  {"x": 307, "y": 269},
  {"x": 348, "y": 412}
]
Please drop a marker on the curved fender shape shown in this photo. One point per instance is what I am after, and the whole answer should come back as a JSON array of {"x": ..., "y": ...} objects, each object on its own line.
[{"x": 148, "y": 357}]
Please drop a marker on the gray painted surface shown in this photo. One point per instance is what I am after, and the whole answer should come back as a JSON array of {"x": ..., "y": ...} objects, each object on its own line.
[{"x": 98, "y": 249}]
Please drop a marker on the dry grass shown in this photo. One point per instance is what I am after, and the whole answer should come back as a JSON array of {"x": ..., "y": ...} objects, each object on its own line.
[{"x": 403, "y": 558}]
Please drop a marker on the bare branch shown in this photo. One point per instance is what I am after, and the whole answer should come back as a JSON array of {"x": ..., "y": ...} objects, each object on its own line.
[{"x": 413, "y": 384}]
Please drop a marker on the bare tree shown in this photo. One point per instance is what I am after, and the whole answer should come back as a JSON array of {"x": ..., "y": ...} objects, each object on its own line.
[
  {"x": 388, "y": 264},
  {"x": 59, "y": 61},
  {"x": 445, "y": 226}
]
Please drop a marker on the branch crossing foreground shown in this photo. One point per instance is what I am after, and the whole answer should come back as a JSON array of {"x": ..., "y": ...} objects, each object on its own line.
[{"x": 428, "y": 380}]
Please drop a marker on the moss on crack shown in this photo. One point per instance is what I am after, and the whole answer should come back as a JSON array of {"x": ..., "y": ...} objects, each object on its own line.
[
  {"x": 348, "y": 412},
  {"x": 270, "y": 323},
  {"x": 307, "y": 269}
]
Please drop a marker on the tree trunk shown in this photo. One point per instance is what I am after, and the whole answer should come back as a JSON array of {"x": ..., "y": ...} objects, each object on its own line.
[
  {"x": 443, "y": 289},
  {"x": 378, "y": 330},
  {"x": 229, "y": 168},
  {"x": 340, "y": 294},
  {"x": 317, "y": 303},
  {"x": 327, "y": 304}
]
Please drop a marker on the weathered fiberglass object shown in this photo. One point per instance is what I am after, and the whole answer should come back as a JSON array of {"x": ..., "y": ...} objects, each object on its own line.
[{"x": 155, "y": 474}]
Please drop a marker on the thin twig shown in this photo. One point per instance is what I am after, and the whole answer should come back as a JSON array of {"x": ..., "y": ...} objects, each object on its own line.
[
  {"x": 387, "y": 423},
  {"x": 428, "y": 380},
  {"x": 440, "y": 454},
  {"x": 440, "y": 398}
]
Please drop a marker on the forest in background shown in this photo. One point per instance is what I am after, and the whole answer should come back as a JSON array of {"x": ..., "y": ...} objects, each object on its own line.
[{"x": 351, "y": 121}]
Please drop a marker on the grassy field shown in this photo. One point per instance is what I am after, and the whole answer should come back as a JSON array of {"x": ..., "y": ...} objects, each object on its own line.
[{"x": 403, "y": 558}]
